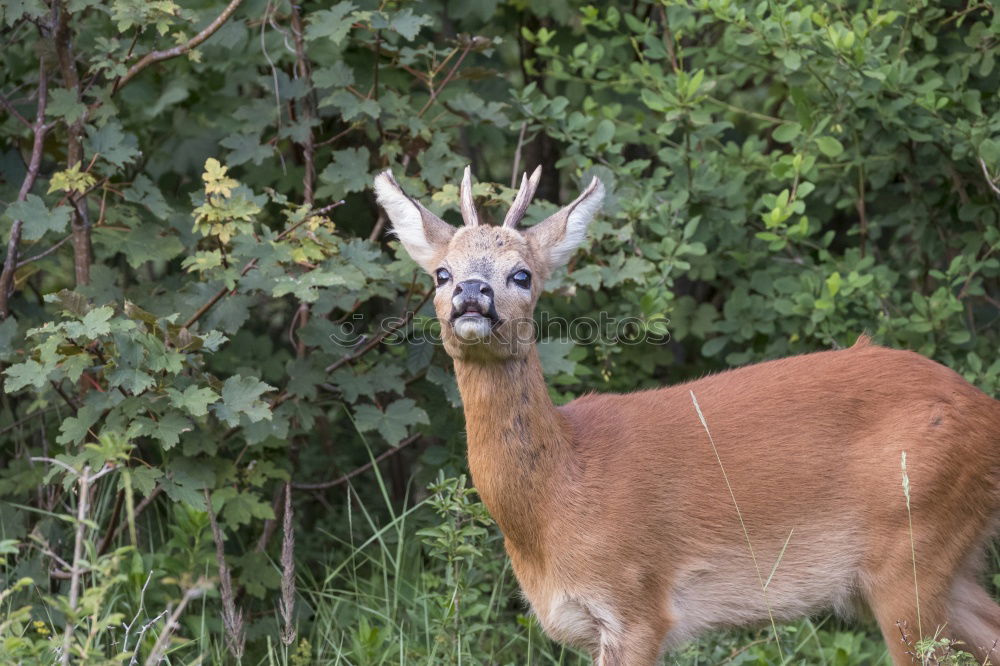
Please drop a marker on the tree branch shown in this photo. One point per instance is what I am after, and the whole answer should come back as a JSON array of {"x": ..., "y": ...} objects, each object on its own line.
[
  {"x": 380, "y": 337},
  {"x": 80, "y": 221},
  {"x": 988, "y": 177},
  {"x": 447, "y": 79},
  {"x": 303, "y": 72},
  {"x": 44, "y": 253},
  {"x": 219, "y": 295},
  {"x": 34, "y": 164},
  {"x": 181, "y": 49},
  {"x": 360, "y": 470},
  {"x": 14, "y": 112}
]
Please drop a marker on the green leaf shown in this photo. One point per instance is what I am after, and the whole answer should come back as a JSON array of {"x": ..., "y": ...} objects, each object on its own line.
[
  {"x": 303, "y": 377},
  {"x": 93, "y": 325},
  {"x": 714, "y": 346},
  {"x": 337, "y": 75},
  {"x": 194, "y": 399},
  {"x": 113, "y": 145},
  {"x": 553, "y": 355},
  {"x": 246, "y": 148},
  {"x": 604, "y": 132},
  {"x": 64, "y": 104},
  {"x": 29, "y": 373},
  {"x": 408, "y": 24},
  {"x": 829, "y": 146},
  {"x": 148, "y": 241},
  {"x": 394, "y": 422},
  {"x": 240, "y": 507},
  {"x": 144, "y": 479},
  {"x": 145, "y": 193},
  {"x": 989, "y": 150},
  {"x": 167, "y": 429},
  {"x": 185, "y": 480},
  {"x": 241, "y": 395},
  {"x": 351, "y": 106},
  {"x": 348, "y": 172},
  {"x": 332, "y": 24},
  {"x": 258, "y": 573},
  {"x": 75, "y": 429},
  {"x": 14, "y": 10},
  {"x": 8, "y": 332},
  {"x": 833, "y": 283},
  {"x": 787, "y": 132},
  {"x": 379, "y": 378},
  {"x": 37, "y": 218}
]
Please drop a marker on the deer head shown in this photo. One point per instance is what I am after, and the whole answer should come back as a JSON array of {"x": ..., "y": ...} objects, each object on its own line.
[{"x": 488, "y": 278}]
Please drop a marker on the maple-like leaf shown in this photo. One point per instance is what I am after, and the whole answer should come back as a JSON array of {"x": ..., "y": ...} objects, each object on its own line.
[
  {"x": 71, "y": 180},
  {"x": 216, "y": 180}
]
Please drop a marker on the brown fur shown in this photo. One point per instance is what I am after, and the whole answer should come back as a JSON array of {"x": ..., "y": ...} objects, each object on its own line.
[{"x": 617, "y": 516}]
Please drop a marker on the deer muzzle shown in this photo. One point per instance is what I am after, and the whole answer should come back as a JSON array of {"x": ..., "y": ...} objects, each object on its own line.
[{"x": 473, "y": 314}]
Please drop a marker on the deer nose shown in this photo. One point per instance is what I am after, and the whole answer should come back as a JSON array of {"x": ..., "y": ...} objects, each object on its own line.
[{"x": 472, "y": 289}]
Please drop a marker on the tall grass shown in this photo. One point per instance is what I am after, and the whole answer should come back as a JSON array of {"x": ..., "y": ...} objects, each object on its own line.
[{"x": 422, "y": 582}]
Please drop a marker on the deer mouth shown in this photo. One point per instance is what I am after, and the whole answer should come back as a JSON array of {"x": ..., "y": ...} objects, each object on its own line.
[
  {"x": 474, "y": 310},
  {"x": 471, "y": 321}
]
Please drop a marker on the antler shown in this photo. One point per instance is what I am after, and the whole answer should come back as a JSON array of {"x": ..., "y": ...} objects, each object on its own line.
[
  {"x": 468, "y": 207},
  {"x": 523, "y": 198}
]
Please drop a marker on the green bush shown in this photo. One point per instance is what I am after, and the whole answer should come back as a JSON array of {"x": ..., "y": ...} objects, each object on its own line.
[{"x": 201, "y": 306}]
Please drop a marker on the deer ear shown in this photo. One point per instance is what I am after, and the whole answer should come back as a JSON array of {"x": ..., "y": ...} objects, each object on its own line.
[
  {"x": 558, "y": 235},
  {"x": 424, "y": 235}
]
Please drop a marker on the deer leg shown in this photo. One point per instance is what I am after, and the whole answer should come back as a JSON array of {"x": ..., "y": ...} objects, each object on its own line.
[
  {"x": 899, "y": 615},
  {"x": 975, "y": 619},
  {"x": 635, "y": 646}
]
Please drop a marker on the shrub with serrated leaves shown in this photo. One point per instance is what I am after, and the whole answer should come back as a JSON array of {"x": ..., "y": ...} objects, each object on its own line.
[{"x": 199, "y": 295}]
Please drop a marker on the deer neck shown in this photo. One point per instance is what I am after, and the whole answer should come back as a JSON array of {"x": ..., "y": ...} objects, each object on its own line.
[{"x": 518, "y": 443}]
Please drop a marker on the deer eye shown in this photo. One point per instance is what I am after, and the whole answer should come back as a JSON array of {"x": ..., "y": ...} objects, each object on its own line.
[
  {"x": 522, "y": 279},
  {"x": 442, "y": 275}
]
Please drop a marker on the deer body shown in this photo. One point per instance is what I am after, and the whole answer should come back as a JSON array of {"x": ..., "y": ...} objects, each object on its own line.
[{"x": 616, "y": 509}]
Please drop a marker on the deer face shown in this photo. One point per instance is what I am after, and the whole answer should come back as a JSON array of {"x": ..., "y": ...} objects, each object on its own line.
[{"x": 487, "y": 279}]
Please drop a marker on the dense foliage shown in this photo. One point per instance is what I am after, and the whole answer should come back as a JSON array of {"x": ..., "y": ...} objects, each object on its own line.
[{"x": 213, "y": 356}]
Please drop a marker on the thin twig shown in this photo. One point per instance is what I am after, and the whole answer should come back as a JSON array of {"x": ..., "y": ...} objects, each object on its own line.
[
  {"x": 379, "y": 226},
  {"x": 360, "y": 470},
  {"x": 76, "y": 570},
  {"x": 436, "y": 91},
  {"x": 20, "y": 422},
  {"x": 350, "y": 358},
  {"x": 14, "y": 112},
  {"x": 517, "y": 155},
  {"x": 219, "y": 295},
  {"x": 989, "y": 178},
  {"x": 160, "y": 647},
  {"x": 34, "y": 164},
  {"x": 181, "y": 49},
  {"x": 45, "y": 253},
  {"x": 135, "y": 618},
  {"x": 303, "y": 72}
]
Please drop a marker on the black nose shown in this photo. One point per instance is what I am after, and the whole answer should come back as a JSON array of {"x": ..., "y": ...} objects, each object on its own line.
[{"x": 473, "y": 289}]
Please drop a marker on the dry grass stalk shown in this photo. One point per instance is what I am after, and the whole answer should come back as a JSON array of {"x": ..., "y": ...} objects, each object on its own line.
[
  {"x": 232, "y": 617},
  {"x": 160, "y": 647},
  {"x": 287, "y": 605}
]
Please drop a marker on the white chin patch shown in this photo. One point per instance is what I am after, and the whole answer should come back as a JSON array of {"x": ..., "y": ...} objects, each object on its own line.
[{"x": 472, "y": 327}]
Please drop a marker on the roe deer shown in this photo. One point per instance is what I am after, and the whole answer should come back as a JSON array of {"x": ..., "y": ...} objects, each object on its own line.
[{"x": 618, "y": 510}]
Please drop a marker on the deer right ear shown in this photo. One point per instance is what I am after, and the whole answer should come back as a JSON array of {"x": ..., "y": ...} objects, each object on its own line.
[
  {"x": 560, "y": 234},
  {"x": 424, "y": 235}
]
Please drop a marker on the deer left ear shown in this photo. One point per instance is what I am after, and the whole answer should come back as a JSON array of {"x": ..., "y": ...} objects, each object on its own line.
[
  {"x": 558, "y": 235},
  {"x": 424, "y": 235}
]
